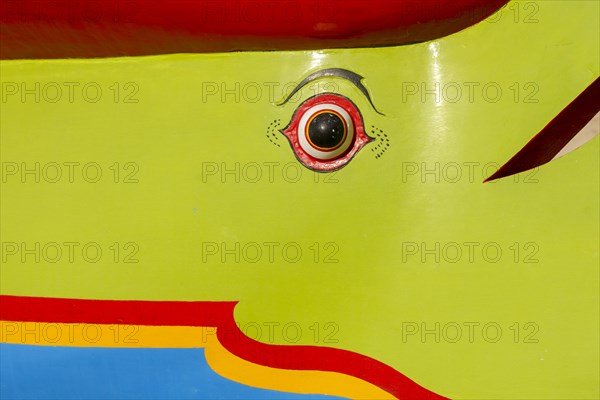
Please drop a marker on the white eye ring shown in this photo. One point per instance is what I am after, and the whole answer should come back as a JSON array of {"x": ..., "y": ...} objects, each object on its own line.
[{"x": 309, "y": 148}]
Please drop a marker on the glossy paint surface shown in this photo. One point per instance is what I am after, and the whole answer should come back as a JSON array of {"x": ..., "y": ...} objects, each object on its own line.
[{"x": 190, "y": 125}]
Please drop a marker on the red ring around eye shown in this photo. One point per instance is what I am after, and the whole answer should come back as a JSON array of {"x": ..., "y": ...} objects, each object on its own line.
[{"x": 337, "y": 113}]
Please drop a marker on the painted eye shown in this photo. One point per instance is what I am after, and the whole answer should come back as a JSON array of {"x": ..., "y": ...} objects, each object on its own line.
[{"x": 326, "y": 131}]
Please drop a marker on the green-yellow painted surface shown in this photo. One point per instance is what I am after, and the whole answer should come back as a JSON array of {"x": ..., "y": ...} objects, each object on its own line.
[{"x": 377, "y": 212}]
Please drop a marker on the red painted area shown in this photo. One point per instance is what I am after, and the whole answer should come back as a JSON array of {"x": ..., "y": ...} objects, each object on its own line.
[
  {"x": 325, "y": 359},
  {"x": 550, "y": 141},
  {"x": 133, "y": 312},
  {"x": 213, "y": 314},
  {"x": 105, "y": 28}
]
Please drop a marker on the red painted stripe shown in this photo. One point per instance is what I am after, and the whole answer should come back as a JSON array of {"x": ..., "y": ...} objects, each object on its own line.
[
  {"x": 85, "y": 28},
  {"x": 133, "y": 312},
  {"x": 325, "y": 359},
  {"x": 213, "y": 314},
  {"x": 550, "y": 141}
]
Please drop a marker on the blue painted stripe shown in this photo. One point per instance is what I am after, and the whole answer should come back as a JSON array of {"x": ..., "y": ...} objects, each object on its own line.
[{"x": 40, "y": 372}]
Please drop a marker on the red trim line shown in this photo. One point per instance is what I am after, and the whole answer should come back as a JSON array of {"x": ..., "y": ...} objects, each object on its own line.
[
  {"x": 133, "y": 312},
  {"x": 550, "y": 141},
  {"x": 219, "y": 315},
  {"x": 325, "y": 359}
]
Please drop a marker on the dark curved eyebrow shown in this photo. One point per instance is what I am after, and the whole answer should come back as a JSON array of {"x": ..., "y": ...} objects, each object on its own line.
[{"x": 348, "y": 75}]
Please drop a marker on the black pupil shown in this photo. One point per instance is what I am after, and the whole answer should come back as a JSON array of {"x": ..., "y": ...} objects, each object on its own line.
[{"x": 326, "y": 130}]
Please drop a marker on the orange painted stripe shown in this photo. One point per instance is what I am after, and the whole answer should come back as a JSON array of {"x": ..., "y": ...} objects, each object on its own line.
[
  {"x": 306, "y": 382},
  {"x": 103, "y": 335},
  {"x": 220, "y": 360},
  {"x": 207, "y": 314}
]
